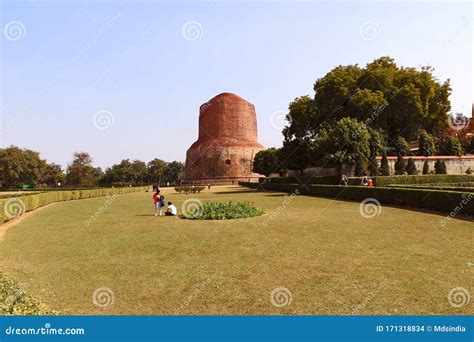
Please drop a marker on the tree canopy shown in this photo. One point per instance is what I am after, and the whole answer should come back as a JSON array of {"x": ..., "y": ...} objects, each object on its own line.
[{"x": 396, "y": 101}]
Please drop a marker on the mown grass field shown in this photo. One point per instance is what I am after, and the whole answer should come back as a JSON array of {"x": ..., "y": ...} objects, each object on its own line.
[{"x": 330, "y": 258}]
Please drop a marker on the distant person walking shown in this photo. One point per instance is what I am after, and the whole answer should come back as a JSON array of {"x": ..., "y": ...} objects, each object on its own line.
[
  {"x": 344, "y": 181},
  {"x": 209, "y": 187}
]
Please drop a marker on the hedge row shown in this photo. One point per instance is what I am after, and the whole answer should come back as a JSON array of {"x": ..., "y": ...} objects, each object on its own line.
[
  {"x": 20, "y": 194},
  {"x": 434, "y": 187},
  {"x": 12, "y": 207},
  {"x": 14, "y": 300},
  {"x": 446, "y": 201},
  {"x": 189, "y": 188},
  {"x": 378, "y": 180}
]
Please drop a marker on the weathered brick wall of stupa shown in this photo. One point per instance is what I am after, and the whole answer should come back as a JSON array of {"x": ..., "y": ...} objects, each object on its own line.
[{"x": 227, "y": 143}]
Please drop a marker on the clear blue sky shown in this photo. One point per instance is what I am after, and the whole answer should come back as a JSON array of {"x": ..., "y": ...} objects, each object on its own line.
[{"x": 131, "y": 59}]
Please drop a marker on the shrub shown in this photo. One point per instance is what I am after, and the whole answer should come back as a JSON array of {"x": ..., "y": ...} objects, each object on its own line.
[
  {"x": 440, "y": 167},
  {"x": 469, "y": 171},
  {"x": 453, "y": 187},
  {"x": 446, "y": 201},
  {"x": 400, "y": 165},
  {"x": 373, "y": 167},
  {"x": 223, "y": 211},
  {"x": 360, "y": 167},
  {"x": 189, "y": 189},
  {"x": 427, "y": 144},
  {"x": 411, "y": 167},
  {"x": 401, "y": 146},
  {"x": 384, "y": 168},
  {"x": 15, "y": 301},
  {"x": 32, "y": 201},
  {"x": 452, "y": 147},
  {"x": 426, "y": 168}
]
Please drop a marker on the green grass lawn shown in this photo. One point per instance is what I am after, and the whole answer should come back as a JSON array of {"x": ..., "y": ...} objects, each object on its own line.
[{"x": 330, "y": 258}]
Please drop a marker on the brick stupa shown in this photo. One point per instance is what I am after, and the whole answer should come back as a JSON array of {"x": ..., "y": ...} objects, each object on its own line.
[{"x": 227, "y": 142}]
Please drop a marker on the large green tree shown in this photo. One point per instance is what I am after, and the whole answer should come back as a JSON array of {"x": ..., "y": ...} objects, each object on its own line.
[
  {"x": 19, "y": 166},
  {"x": 81, "y": 172},
  {"x": 383, "y": 95},
  {"x": 52, "y": 175},
  {"x": 156, "y": 170},
  {"x": 174, "y": 171},
  {"x": 266, "y": 162},
  {"x": 345, "y": 142}
]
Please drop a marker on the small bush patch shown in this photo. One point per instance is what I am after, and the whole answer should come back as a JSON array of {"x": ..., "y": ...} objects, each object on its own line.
[
  {"x": 14, "y": 301},
  {"x": 223, "y": 211},
  {"x": 189, "y": 189}
]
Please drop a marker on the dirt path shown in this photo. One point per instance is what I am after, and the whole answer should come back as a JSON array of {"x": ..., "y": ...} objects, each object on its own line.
[{"x": 4, "y": 227}]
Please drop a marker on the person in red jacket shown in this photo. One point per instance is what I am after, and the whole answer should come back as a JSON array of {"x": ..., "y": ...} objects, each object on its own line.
[{"x": 159, "y": 202}]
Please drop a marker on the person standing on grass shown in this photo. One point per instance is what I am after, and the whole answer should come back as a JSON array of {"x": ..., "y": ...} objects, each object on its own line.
[
  {"x": 159, "y": 201},
  {"x": 171, "y": 211},
  {"x": 209, "y": 187},
  {"x": 161, "y": 204},
  {"x": 156, "y": 198}
]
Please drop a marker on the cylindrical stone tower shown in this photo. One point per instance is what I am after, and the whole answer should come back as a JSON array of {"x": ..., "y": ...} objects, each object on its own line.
[{"x": 227, "y": 143}]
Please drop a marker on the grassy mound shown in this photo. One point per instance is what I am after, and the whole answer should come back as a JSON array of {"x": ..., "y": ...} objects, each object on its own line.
[
  {"x": 222, "y": 211},
  {"x": 14, "y": 300}
]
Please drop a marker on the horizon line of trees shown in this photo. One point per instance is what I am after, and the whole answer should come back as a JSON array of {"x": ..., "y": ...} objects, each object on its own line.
[
  {"x": 20, "y": 166},
  {"x": 359, "y": 113}
]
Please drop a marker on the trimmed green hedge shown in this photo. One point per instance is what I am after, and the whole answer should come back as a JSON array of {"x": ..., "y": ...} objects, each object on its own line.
[
  {"x": 421, "y": 179},
  {"x": 21, "y": 194},
  {"x": 189, "y": 189},
  {"x": 14, "y": 300},
  {"x": 445, "y": 201},
  {"x": 378, "y": 180},
  {"x": 434, "y": 187},
  {"x": 30, "y": 202}
]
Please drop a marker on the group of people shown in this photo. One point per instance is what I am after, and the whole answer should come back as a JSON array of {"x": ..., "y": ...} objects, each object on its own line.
[
  {"x": 366, "y": 181},
  {"x": 159, "y": 202}
]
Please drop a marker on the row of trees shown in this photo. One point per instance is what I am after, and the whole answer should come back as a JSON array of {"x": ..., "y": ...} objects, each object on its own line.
[
  {"x": 359, "y": 113},
  {"x": 22, "y": 166}
]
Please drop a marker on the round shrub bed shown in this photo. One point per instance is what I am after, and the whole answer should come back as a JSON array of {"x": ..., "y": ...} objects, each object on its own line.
[{"x": 222, "y": 211}]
